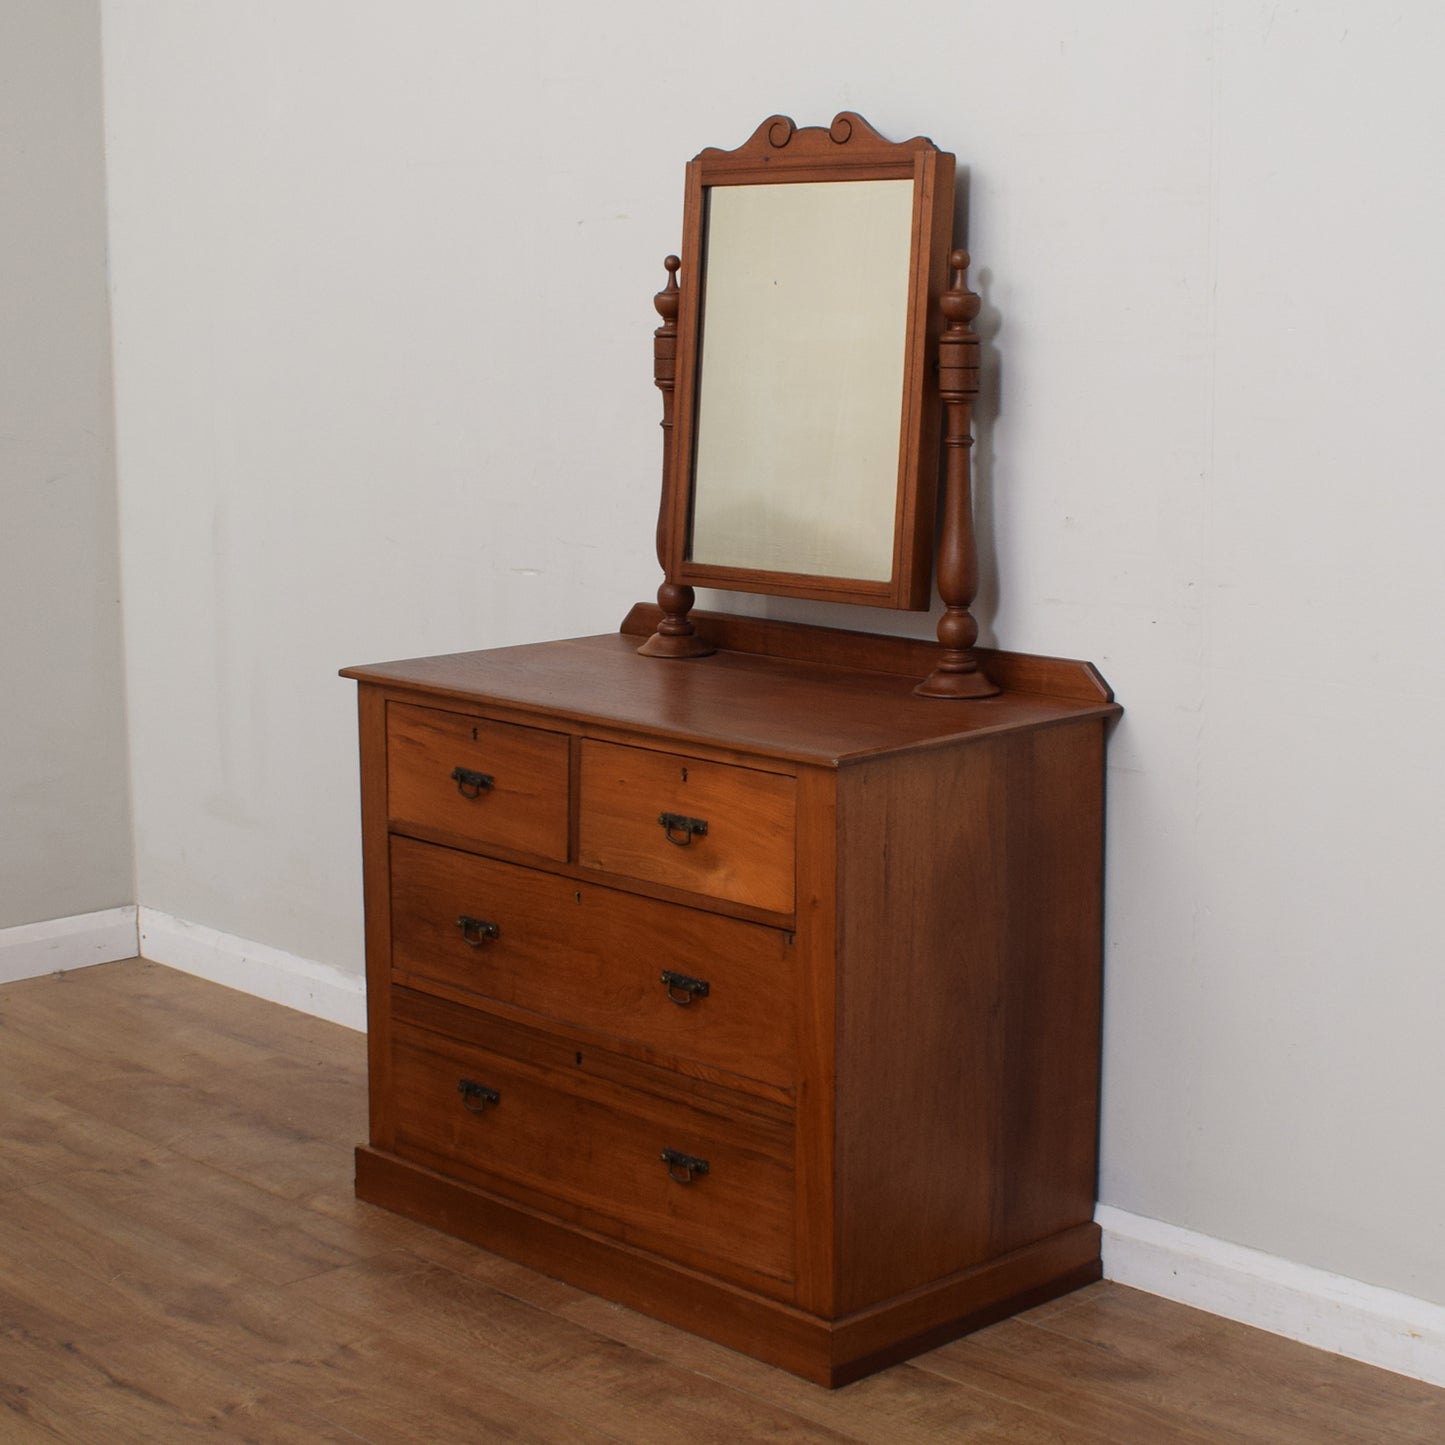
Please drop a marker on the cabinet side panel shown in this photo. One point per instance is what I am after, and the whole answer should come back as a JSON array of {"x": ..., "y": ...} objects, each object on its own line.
[
  {"x": 1047, "y": 1179},
  {"x": 968, "y": 1053},
  {"x": 376, "y": 882}
]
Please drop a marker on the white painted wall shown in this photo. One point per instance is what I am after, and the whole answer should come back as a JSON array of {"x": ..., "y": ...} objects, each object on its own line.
[
  {"x": 382, "y": 279},
  {"x": 64, "y": 797}
]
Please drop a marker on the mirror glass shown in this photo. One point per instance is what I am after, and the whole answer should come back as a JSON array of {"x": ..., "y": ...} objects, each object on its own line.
[{"x": 800, "y": 391}]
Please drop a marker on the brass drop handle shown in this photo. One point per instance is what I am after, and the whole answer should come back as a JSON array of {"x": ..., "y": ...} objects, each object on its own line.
[
  {"x": 470, "y": 784},
  {"x": 683, "y": 1168},
  {"x": 683, "y": 990},
  {"x": 477, "y": 931},
  {"x": 681, "y": 830},
  {"x": 476, "y": 1097}
]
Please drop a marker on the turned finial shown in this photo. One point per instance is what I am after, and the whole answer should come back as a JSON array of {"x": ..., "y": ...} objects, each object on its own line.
[
  {"x": 959, "y": 305},
  {"x": 666, "y": 301}
]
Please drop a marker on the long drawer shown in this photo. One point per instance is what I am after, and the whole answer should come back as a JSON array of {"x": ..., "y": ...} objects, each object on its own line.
[
  {"x": 709, "y": 827},
  {"x": 487, "y": 782},
  {"x": 580, "y": 1136},
  {"x": 690, "y": 984}
]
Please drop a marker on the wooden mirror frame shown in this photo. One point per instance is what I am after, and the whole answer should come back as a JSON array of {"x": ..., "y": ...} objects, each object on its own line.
[{"x": 778, "y": 151}]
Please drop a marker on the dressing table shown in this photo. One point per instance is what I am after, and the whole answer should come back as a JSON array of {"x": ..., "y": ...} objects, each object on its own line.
[{"x": 745, "y": 972}]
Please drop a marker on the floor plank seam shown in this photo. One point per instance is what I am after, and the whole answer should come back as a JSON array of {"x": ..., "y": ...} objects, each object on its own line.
[{"x": 202, "y": 1247}]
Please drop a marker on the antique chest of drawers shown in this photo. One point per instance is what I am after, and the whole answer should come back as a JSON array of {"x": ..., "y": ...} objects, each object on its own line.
[{"x": 751, "y": 991}]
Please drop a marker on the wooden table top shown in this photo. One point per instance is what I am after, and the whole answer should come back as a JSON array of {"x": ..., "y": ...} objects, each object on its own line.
[{"x": 807, "y": 711}]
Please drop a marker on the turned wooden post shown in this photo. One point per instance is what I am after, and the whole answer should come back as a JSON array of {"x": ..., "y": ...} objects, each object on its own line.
[
  {"x": 675, "y": 635},
  {"x": 957, "y": 674}
]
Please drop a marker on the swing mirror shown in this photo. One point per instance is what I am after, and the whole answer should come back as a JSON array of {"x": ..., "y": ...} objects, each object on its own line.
[{"x": 804, "y": 453}]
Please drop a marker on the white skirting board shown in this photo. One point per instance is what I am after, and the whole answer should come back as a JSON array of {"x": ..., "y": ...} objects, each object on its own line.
[
  {"x": 34, "y": 949},
  {"x": 1360, "y": 1321},
  {"x": 255, "y": 968}
]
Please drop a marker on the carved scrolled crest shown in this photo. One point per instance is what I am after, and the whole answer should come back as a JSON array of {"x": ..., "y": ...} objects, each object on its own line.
[
  {"x": 779, "y": 139},
  {"x": 780, "y": 129}
]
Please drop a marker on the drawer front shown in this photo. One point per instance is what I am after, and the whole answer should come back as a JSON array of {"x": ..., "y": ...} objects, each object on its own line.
[
  {"x": 595, "y": 957},
  {"x": 488, "y": 782},
  {"x": 525, "y": 1119},
  {"x": 640, "y": 816}
]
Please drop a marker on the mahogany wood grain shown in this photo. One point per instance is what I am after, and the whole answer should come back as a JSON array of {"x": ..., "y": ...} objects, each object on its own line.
[
  {"x": 736, "y": 843},
  {"x": 588, "y": 1150},
  {"x": 523, "y": 801},
  {"x": 934, "y": 875},
  {"x": 969, "y": 1016},
  {"x": 560, "y": 942}
]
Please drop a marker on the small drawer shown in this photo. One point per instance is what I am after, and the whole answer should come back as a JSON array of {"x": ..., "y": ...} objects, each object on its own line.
[
  {"x": 482, "y": 781},
  {"x": 698, "y": 986},
  {"x": 708, "y": 827},
  {"x": 534, "y": 1120}
]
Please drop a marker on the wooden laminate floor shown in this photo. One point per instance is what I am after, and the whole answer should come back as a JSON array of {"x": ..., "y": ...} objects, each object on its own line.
[{"x": 181, "y": 1258}]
